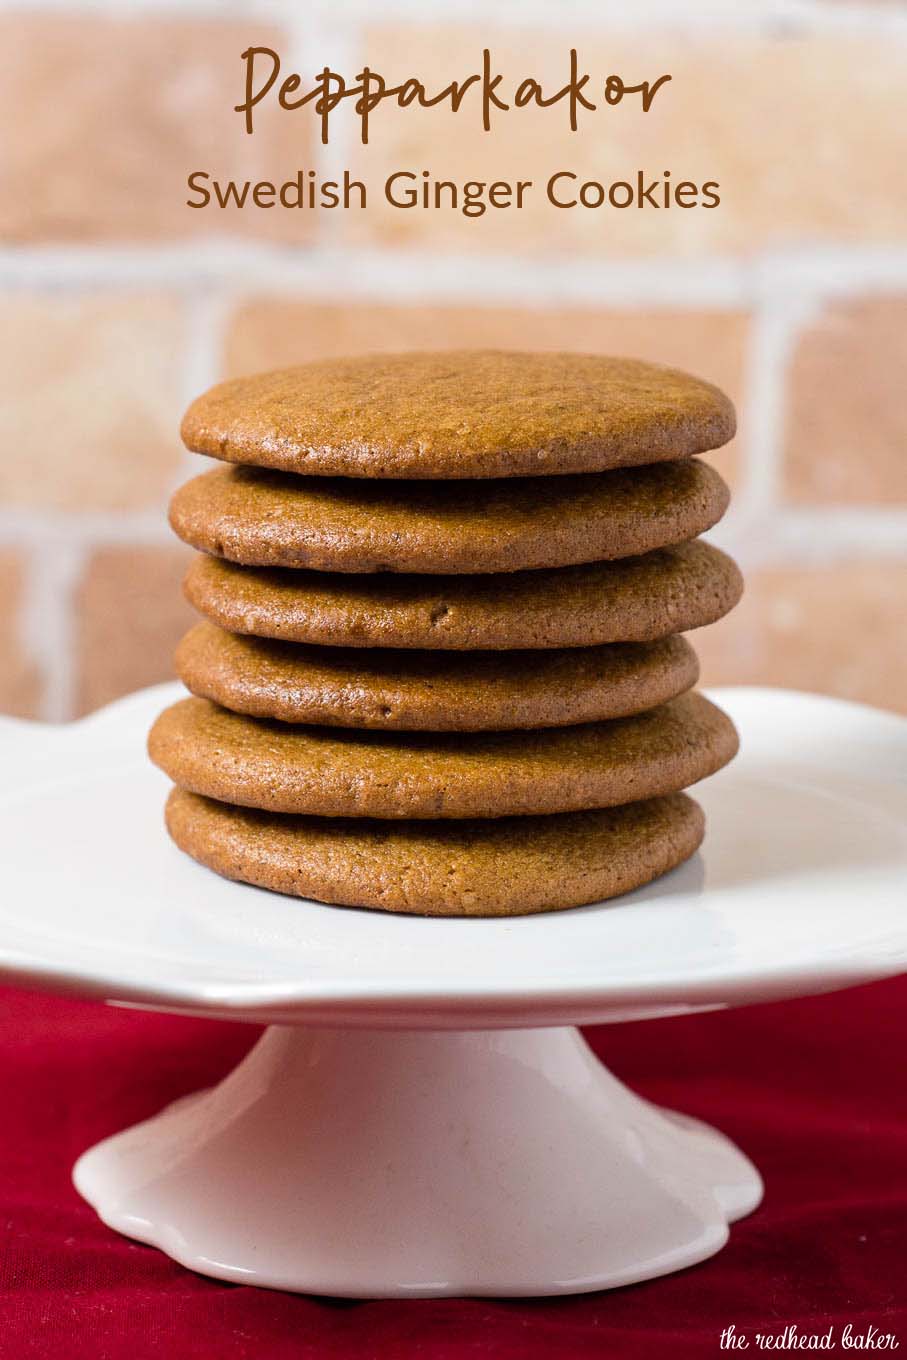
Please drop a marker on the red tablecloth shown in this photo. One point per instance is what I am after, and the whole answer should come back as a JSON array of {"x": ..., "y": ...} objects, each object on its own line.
[{"x": 813, "y": 1090}]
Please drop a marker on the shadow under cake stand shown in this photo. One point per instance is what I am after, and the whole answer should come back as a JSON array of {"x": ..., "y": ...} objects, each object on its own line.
[{"x": 422, "y": 1117}]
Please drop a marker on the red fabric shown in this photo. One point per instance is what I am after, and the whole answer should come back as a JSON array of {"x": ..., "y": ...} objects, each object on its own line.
[{"x": 813, "y": 1090}]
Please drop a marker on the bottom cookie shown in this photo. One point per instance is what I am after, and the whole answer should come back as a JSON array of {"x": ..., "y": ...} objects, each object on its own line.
[{"x": 509, "y": 866}]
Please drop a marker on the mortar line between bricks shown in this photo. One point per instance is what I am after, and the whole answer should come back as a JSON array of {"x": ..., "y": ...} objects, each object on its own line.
[
  {"x": 812, "y": 16},
  {"x": 47, "y": 616},
  {"x": 776, "y": 326},
  {"x": 746, "y": 16},
  {"x": 481, "y": 280},
  {"x": 208, "y": 314},
  {"x": 782, "y": 539},
  {"x": 869, "y": 531},
  {"x": 406, "y": 276},
  {"x": 337, "y": 45},
  {"x": 20, "y": 528},
  {"x": 208, "y": 311}
]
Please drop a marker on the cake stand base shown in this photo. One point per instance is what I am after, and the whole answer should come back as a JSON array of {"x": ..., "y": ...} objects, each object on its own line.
[{"x": 369, "y": 1163}]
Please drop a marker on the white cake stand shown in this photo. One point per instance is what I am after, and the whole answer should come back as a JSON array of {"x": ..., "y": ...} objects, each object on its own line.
[{"x": 421, "y": 1118}]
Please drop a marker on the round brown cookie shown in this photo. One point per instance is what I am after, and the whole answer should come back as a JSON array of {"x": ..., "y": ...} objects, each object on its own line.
[
  {"x": 335, "y": 772},
  {"x": 466, "y": 413},
  {"x": 505, "y": 867},
  {"x": 274, "y": 519},
  {"x": 670, "y": 590},
  {"x": 432, "y": 691}
]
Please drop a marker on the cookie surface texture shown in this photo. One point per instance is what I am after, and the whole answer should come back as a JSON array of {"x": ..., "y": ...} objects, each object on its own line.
[
  {"x": 466, "y": 413},
  {"x": 336, "y": 772},
  {"x": 636, "y": 599},
  {"x": 432, "y": 691},
  {"x": 500, "y": 868},
  {"x": 272, "y": 519}
]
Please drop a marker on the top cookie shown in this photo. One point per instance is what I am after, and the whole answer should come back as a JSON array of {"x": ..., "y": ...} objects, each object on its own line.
[{"x": 460, "y": 413}]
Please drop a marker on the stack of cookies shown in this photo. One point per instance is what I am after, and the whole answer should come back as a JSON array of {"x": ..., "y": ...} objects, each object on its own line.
[{"x": 440, "y": 669}]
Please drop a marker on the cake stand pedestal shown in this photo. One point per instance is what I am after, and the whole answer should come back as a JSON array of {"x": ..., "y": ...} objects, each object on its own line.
[
  {"x": 375, "y": 1163},
  {"x": 421, "y": 1117}
]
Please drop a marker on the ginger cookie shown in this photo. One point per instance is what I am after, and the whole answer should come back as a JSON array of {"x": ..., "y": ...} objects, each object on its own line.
[
  {"x": 337, "y": 772},
  {"x": 505, "y": 867},
  {"x": 432, "y": 691},
  {"x": 460, "y": 414},
  {"x": 272, "y": 519},
  {"x": 636, "y": 599}
]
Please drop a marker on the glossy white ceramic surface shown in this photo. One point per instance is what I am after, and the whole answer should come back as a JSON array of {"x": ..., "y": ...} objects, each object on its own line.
[
  {"x": 800, "y": 887},
  {"x": 428, "y": 1132},
  {"x": 394, "y": 1163}
]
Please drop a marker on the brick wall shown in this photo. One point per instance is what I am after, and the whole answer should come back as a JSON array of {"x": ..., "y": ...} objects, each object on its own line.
[{"x": 118, "y": 304}]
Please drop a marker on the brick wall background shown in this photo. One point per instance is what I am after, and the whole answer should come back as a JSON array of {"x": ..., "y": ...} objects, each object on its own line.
[{"x": 118, "y": 304}]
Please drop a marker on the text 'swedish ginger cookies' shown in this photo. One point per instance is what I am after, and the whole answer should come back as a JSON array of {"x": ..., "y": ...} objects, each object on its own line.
[{"x": 441, "y": 669}]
